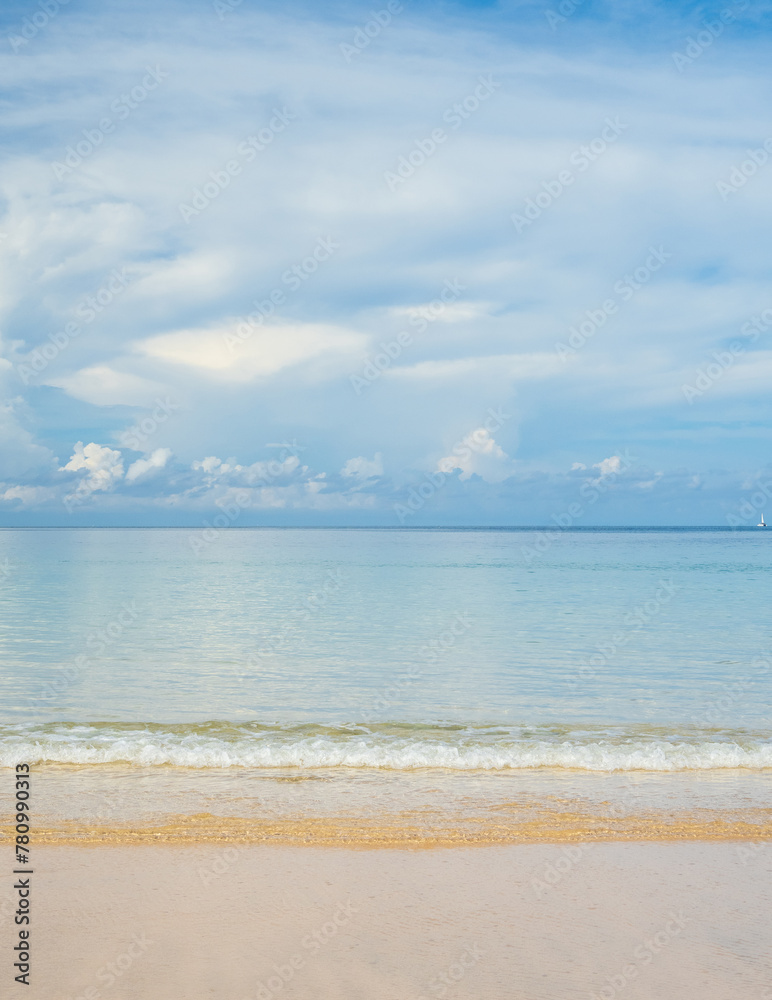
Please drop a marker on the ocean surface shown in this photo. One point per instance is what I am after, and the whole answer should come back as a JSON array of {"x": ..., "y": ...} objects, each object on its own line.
[{"x": 461, "y": 650}]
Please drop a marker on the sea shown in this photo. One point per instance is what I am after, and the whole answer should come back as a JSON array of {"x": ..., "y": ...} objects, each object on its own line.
[{"x": 452, "y": 673}]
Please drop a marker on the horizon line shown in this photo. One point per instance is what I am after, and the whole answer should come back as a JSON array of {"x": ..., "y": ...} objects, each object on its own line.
[{"x": 378, "y": 527}]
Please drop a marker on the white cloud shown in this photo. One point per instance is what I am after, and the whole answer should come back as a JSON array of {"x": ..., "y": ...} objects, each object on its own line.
[
  {"x": 155, "y": 461},
  {"x": 609, "y": 466},
  {"x": 28, "y": 496},
  {"x": 361, "y": 468},
  {"x": 103, "y": 386},
  {"x": 273, "y": 470},
  {"x": 214, "y": 467},
  {"x": 199, "y": 275},
  {"x": 220, "y": 350},
  {"x": 478, "y": 454},
  {"x": 258, "y": 473},
  {"x": 103, "y": 467}
]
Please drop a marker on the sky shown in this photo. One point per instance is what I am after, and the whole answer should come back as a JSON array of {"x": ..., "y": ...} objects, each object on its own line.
[{"x": 400, "y": 264}]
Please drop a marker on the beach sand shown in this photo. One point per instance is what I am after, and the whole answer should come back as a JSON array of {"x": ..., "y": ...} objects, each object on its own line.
[{"x": 686, "y": 920}]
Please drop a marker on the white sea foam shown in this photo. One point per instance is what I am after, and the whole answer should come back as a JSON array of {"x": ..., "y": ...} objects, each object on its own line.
[{"x": 461, "y": 750}]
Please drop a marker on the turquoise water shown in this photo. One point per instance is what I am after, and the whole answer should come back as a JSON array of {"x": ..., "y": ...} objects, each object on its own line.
[{"x": 469, "y": 649}]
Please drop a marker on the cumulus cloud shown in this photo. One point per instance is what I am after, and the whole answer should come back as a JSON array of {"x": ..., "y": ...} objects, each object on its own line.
[
  {"x": 214, "y": 467},
  {"x": 103, "y": 467},
  {"x": 478, "y": 454},
  {"x": 265, "y": 472},
  {"x": 609, "y": 466},
  {"x": 155, "y": 461}
]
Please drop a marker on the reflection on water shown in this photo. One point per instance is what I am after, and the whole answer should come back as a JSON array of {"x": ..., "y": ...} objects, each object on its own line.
[{"x": 366, "y": 626}]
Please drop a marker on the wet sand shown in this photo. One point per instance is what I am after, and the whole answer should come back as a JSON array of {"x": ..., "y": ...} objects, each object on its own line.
[
  {"x": 641, "y": 921},
  {"x": 369, "y": 808},
  {"x": 509, "y": 823}
]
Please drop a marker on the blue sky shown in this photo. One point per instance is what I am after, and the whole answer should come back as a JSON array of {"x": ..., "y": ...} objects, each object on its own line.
[{"x": 463, "y": 263}]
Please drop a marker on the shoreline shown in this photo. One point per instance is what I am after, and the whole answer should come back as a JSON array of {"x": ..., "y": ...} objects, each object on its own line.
[{"x": 417, "y": 830}]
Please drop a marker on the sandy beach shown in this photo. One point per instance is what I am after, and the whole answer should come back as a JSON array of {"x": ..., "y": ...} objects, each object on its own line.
[
  {"x": 385, "y": 500},
  {"x": 341, "y": 818},
  {"x": 525, "y": 922}
]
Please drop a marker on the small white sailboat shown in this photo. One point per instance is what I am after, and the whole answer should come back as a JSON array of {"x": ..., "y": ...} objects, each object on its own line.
[{"x": 761, "y": 523}]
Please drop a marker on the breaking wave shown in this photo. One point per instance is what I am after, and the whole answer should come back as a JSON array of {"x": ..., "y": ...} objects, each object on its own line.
[{"x": 394, "y": 746}]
